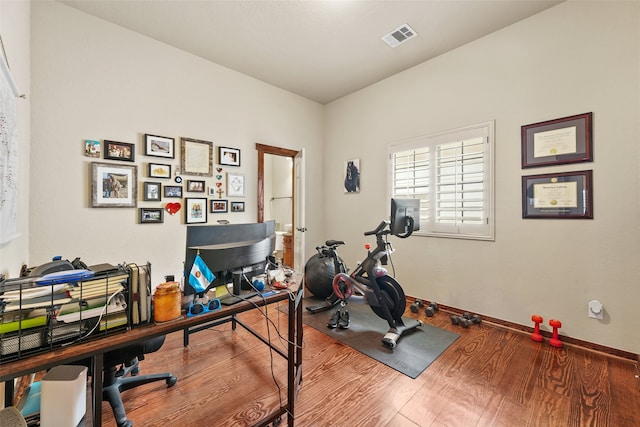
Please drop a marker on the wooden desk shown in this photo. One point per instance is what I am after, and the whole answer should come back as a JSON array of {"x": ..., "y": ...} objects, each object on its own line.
[{"x": 96, "y": 347}]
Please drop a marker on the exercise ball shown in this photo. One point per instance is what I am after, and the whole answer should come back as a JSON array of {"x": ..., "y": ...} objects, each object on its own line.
[{"x": 318, "y": 276}]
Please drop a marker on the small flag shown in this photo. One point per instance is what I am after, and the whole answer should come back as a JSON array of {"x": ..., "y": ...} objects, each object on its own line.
[{"x": 200, "y": 277}]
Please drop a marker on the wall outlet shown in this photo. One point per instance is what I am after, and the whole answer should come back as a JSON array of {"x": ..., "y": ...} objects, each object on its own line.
[{"x": 595, "y": 309}]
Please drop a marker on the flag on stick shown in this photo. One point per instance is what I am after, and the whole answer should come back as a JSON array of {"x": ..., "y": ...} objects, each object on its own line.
[{"x": 200, "y": 277}]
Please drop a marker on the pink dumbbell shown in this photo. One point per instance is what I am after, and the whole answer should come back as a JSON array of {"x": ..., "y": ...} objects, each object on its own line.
[
  {"x": 555, "y": 340},
  {"x": 536, "y": 336}
]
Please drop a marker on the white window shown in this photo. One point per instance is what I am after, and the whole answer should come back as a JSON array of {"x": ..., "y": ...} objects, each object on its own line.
[{"x": 452, "y": 175}]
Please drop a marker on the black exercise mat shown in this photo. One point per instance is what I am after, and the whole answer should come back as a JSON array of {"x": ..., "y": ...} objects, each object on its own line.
[{"x": 415, "y": 351}]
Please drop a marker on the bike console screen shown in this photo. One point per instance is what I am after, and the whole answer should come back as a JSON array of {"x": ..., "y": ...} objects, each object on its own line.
[{"x": 405, "y": 216}]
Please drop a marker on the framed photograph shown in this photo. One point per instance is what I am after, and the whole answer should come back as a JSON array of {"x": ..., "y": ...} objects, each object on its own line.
[
  {"x": 113, "y": 186},
  {"x": 159, "y": 146},
  {"x": 151, "y": 215},
  {"x": 119, "y": 151},
  {"x": 195, "y": 210},
  {"x": 235, "y": 184},
  {"x": 228, "y": 156},
  {"x": 352, "y": 176},
  {"x": 157, "y": 170},
  {"x": 559, "y": 141},
  {"x": 567, "y": 195},
  {"x": 151, "y": 191},
  {"x": 197, "y": 157},
  {"x": 173, "y": 191},
  {"x": 237, "y": 206},
  {"x": 218, "y": 206},
  {"x": 195, "y": 186},
  {"x": 92, "y": 148}
]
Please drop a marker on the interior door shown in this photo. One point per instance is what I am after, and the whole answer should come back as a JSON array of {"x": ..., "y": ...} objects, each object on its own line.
[{"x": 299, "y": 259}]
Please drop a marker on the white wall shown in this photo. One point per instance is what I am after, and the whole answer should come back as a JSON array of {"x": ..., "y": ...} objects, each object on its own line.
[
  {"x": 571, "y": 59},
  {"x": 94, "y": 80},
  {"x": 278, "y": 183},
  {"x": 281, "y": 190},
  {"x": 14, "y": 27}
]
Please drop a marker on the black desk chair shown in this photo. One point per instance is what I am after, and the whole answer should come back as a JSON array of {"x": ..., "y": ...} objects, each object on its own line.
[{"x": 120, "y": 374}]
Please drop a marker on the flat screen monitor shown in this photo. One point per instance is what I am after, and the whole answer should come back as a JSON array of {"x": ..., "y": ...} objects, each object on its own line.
[
  {"x": 405, "y": 216},
  {"x": 226, "y": 249}
]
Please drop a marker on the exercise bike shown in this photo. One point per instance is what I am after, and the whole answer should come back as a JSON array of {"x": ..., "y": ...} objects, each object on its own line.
[{"x": 381, "y": 291}]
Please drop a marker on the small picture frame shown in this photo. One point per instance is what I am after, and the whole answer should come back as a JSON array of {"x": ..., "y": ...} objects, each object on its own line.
[
  {"x": 92, "y": 148},
  {"x": 122, "y": 151},
  {"x": 151, "y": 191},
  {"x": 557, "y": 142},
  {"x": 237, "y": 206},
  {"x": 567, "y": 195},
  {"x": 218, "y": 206},
  {"x": 196, "y": 157},
  {"x": 113, "y": 186},
  {"x": 235, "y": 184},
  {"x": 158, "y": 170},
  {"x": 151, "y": 215},
  {"x": 228, "y": 156},
  {"x": 172, "y": 191},
  {"x": 195, "y": 210},
  {"x": 194, "y": 186},
  {"x": 159, "y": 146},
  {"x": 352, "y": 176}
]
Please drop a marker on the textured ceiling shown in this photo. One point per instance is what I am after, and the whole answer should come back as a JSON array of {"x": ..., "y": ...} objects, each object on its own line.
[{"x": 319, "y": 49}]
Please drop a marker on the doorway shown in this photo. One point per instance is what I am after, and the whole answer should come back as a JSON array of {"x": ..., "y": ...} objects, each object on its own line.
[{"x": 276, "y": 196}]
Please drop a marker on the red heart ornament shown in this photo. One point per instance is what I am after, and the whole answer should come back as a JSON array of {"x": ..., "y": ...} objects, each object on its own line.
[
  {"x": 172, "y": 208},
  {"x": 219, "y": 169},
  {"x": 218, "y": 184}
]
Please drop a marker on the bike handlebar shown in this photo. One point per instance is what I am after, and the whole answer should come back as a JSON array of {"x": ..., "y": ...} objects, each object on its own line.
[{"x": 378, "y": 229}]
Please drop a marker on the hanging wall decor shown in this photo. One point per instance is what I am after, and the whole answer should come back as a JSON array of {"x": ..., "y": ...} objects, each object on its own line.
[
  {"x": 556, "y": 142},
  {"x": 352, "y": 176},
  {"x": 235, "y": 184},
  {"x": 113, "y": 186},
  {"x": 196, "y": 157},
  {"x": 159, "y": 146},
  {"x": 567, "y": 195}
]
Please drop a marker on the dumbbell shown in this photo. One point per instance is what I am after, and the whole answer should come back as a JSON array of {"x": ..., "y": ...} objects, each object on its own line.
[
  {"x": 465, "y": 320},
  {"x": 431, "y": 309},
  {"x": 460, "y": 321},
  {"x": 416, "y": 306},
  {"x": 474, "y": 318}
]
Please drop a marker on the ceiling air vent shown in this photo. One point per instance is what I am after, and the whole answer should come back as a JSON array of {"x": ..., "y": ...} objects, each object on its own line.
[{"x": 399, "y": 35}]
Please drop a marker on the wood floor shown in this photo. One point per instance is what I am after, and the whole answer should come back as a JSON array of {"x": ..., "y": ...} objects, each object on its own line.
[{"x": 491, "y": 376}]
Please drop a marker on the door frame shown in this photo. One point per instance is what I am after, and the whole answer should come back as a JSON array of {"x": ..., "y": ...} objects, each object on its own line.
[{"x": 285, "y": 152}]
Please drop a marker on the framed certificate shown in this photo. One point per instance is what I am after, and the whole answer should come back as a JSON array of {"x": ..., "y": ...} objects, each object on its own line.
[
  {"x": 559, "y": 141},
  {"x": 561, "y": 195}
]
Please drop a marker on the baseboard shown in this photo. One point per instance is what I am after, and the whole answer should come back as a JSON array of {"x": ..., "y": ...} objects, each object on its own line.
[{"x": 527, "y": 329}]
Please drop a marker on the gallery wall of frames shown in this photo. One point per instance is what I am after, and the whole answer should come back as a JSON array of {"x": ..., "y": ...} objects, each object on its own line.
[{"x": 185, "y": 176}]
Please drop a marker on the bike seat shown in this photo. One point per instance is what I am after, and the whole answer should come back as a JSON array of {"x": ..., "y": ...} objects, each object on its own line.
[{"x": 334, "y": 243}]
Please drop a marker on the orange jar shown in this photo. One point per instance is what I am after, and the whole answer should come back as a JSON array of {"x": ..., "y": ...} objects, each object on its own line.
[{"x": 166, "y": 302}]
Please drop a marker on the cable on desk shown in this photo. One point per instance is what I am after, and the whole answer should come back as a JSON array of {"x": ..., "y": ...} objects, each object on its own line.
[{"x": 102, "y": 312}]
